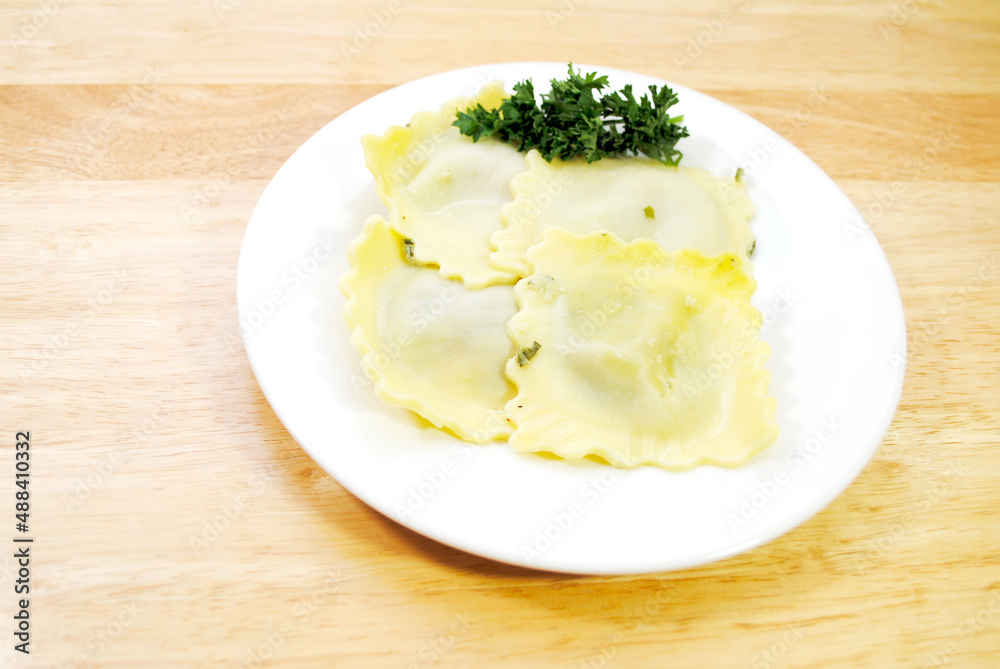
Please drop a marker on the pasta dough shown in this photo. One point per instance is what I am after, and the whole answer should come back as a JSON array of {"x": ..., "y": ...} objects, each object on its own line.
[
  {"x": 638, "y": 355},
  {"x": 428, "y": 343},
  {"x": 445, "y": 192},
  {"x": 632, "y": 337},
  {"x": 633, "y": 197}
]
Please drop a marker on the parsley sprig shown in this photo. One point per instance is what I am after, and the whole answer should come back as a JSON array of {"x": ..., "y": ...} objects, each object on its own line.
[{"x": 573, "y": 121}]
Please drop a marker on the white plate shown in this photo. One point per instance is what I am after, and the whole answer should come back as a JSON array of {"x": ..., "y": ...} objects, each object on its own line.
[{"x": 833, "y": 319}]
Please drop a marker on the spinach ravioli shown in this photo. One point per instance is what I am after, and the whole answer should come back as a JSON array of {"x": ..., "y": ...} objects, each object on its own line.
[
  {"x": 632, "y": 196},
  {"x": 638, "y": 355},
  {"x": 428, "y": 343},
  {"x": 444, "y": 192}
]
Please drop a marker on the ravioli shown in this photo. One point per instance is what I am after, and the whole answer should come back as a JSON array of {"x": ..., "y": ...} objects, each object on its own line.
[
  {"x": 429, "y": 344},
  {"x": 638, "y": 355},
  {"x": 633, "y": 197},
  {"x": 445, "y": 192}
]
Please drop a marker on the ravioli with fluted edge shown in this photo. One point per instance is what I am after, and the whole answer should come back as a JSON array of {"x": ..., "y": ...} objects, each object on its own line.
[
  {"x": 585, "y": 309},
  {"x": 633, "y": 197},
  {"x": 428, "y": 343},
  {"x": 638, "y": 355},
  {"x": 444, "y": 192}
]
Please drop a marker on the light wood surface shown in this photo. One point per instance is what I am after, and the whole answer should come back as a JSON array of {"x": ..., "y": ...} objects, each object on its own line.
[{"x": 177, "y": 523}]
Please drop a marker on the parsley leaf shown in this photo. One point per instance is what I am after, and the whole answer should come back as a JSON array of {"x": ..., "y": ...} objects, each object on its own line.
[{"x": 574, "y": 119}]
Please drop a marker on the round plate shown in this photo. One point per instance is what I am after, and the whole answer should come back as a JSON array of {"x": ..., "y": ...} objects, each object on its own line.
[{"x": 832, "y": 316}]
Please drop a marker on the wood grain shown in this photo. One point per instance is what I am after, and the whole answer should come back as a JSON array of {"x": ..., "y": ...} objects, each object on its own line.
[{"x": 179, "y": 524}]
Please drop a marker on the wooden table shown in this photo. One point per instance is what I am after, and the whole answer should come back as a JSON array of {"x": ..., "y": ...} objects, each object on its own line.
[{"x": 177, "y": 523}]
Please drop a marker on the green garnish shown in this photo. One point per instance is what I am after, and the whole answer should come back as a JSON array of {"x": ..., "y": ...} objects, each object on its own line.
[
  {"x": 525, "y": 355},
  {"x": 649, "y": 212},
  {"x": 408, "y": 249},
  {"x": 571, "y": 122}
]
